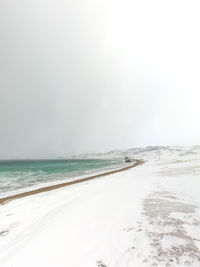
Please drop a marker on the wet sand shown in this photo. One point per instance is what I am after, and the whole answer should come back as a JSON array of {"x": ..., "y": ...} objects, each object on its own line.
[{"x": 53, "y": 187}]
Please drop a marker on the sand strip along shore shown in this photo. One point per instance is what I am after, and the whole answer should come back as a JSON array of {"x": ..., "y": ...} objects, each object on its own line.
[{"x": 52, "y": 187}]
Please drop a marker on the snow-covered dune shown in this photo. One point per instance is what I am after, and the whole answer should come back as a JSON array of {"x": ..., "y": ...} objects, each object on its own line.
[
  {"x": 149, "y": 152},
  {"x": 145, "y": 216}
]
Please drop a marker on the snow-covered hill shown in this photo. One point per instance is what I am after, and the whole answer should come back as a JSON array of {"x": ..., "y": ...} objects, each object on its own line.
[{"x": 149, "y": 152}]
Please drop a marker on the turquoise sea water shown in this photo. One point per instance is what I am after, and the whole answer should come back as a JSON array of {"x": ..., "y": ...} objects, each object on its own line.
[{"x": 20, "y": 175}]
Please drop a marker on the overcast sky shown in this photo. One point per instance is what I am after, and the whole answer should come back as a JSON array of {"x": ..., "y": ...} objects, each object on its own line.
[{"x": 94, "y": 75}]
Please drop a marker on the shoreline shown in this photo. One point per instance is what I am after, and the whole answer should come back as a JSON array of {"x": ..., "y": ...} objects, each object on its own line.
[{"x": 57, "y": 186}]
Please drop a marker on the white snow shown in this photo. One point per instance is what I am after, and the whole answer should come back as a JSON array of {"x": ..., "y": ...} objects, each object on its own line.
[{"x": 145, "y": 216}]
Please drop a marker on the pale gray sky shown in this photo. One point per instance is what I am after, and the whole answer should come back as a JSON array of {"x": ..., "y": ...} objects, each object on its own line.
[{"x": 86, "y": 76}]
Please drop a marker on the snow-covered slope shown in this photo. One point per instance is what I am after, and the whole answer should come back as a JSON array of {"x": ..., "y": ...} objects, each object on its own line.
[
  {"x": 149, "y": 152},
  {"x": 146, "y": 216}
]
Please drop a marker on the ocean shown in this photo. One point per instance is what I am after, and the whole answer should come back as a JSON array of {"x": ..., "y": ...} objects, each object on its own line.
[{"x": 19, "y": 176}]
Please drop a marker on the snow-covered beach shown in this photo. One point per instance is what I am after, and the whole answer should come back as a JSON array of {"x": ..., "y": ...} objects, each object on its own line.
[{"x": 145, "y": 216}]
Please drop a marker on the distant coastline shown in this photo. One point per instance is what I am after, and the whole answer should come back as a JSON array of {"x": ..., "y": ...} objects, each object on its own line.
[{"x": 57, "y": 186}]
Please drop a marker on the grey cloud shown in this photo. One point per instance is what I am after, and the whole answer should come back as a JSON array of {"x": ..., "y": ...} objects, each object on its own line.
[{"x": 84, "y": 76}]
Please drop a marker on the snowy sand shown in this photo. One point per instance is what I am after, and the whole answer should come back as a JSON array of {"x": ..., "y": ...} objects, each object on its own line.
[{"x": 145, "y": 216}]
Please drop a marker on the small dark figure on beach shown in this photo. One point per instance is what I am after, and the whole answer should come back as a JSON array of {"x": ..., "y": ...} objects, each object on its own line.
[{"x": 127, "y": 159}]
